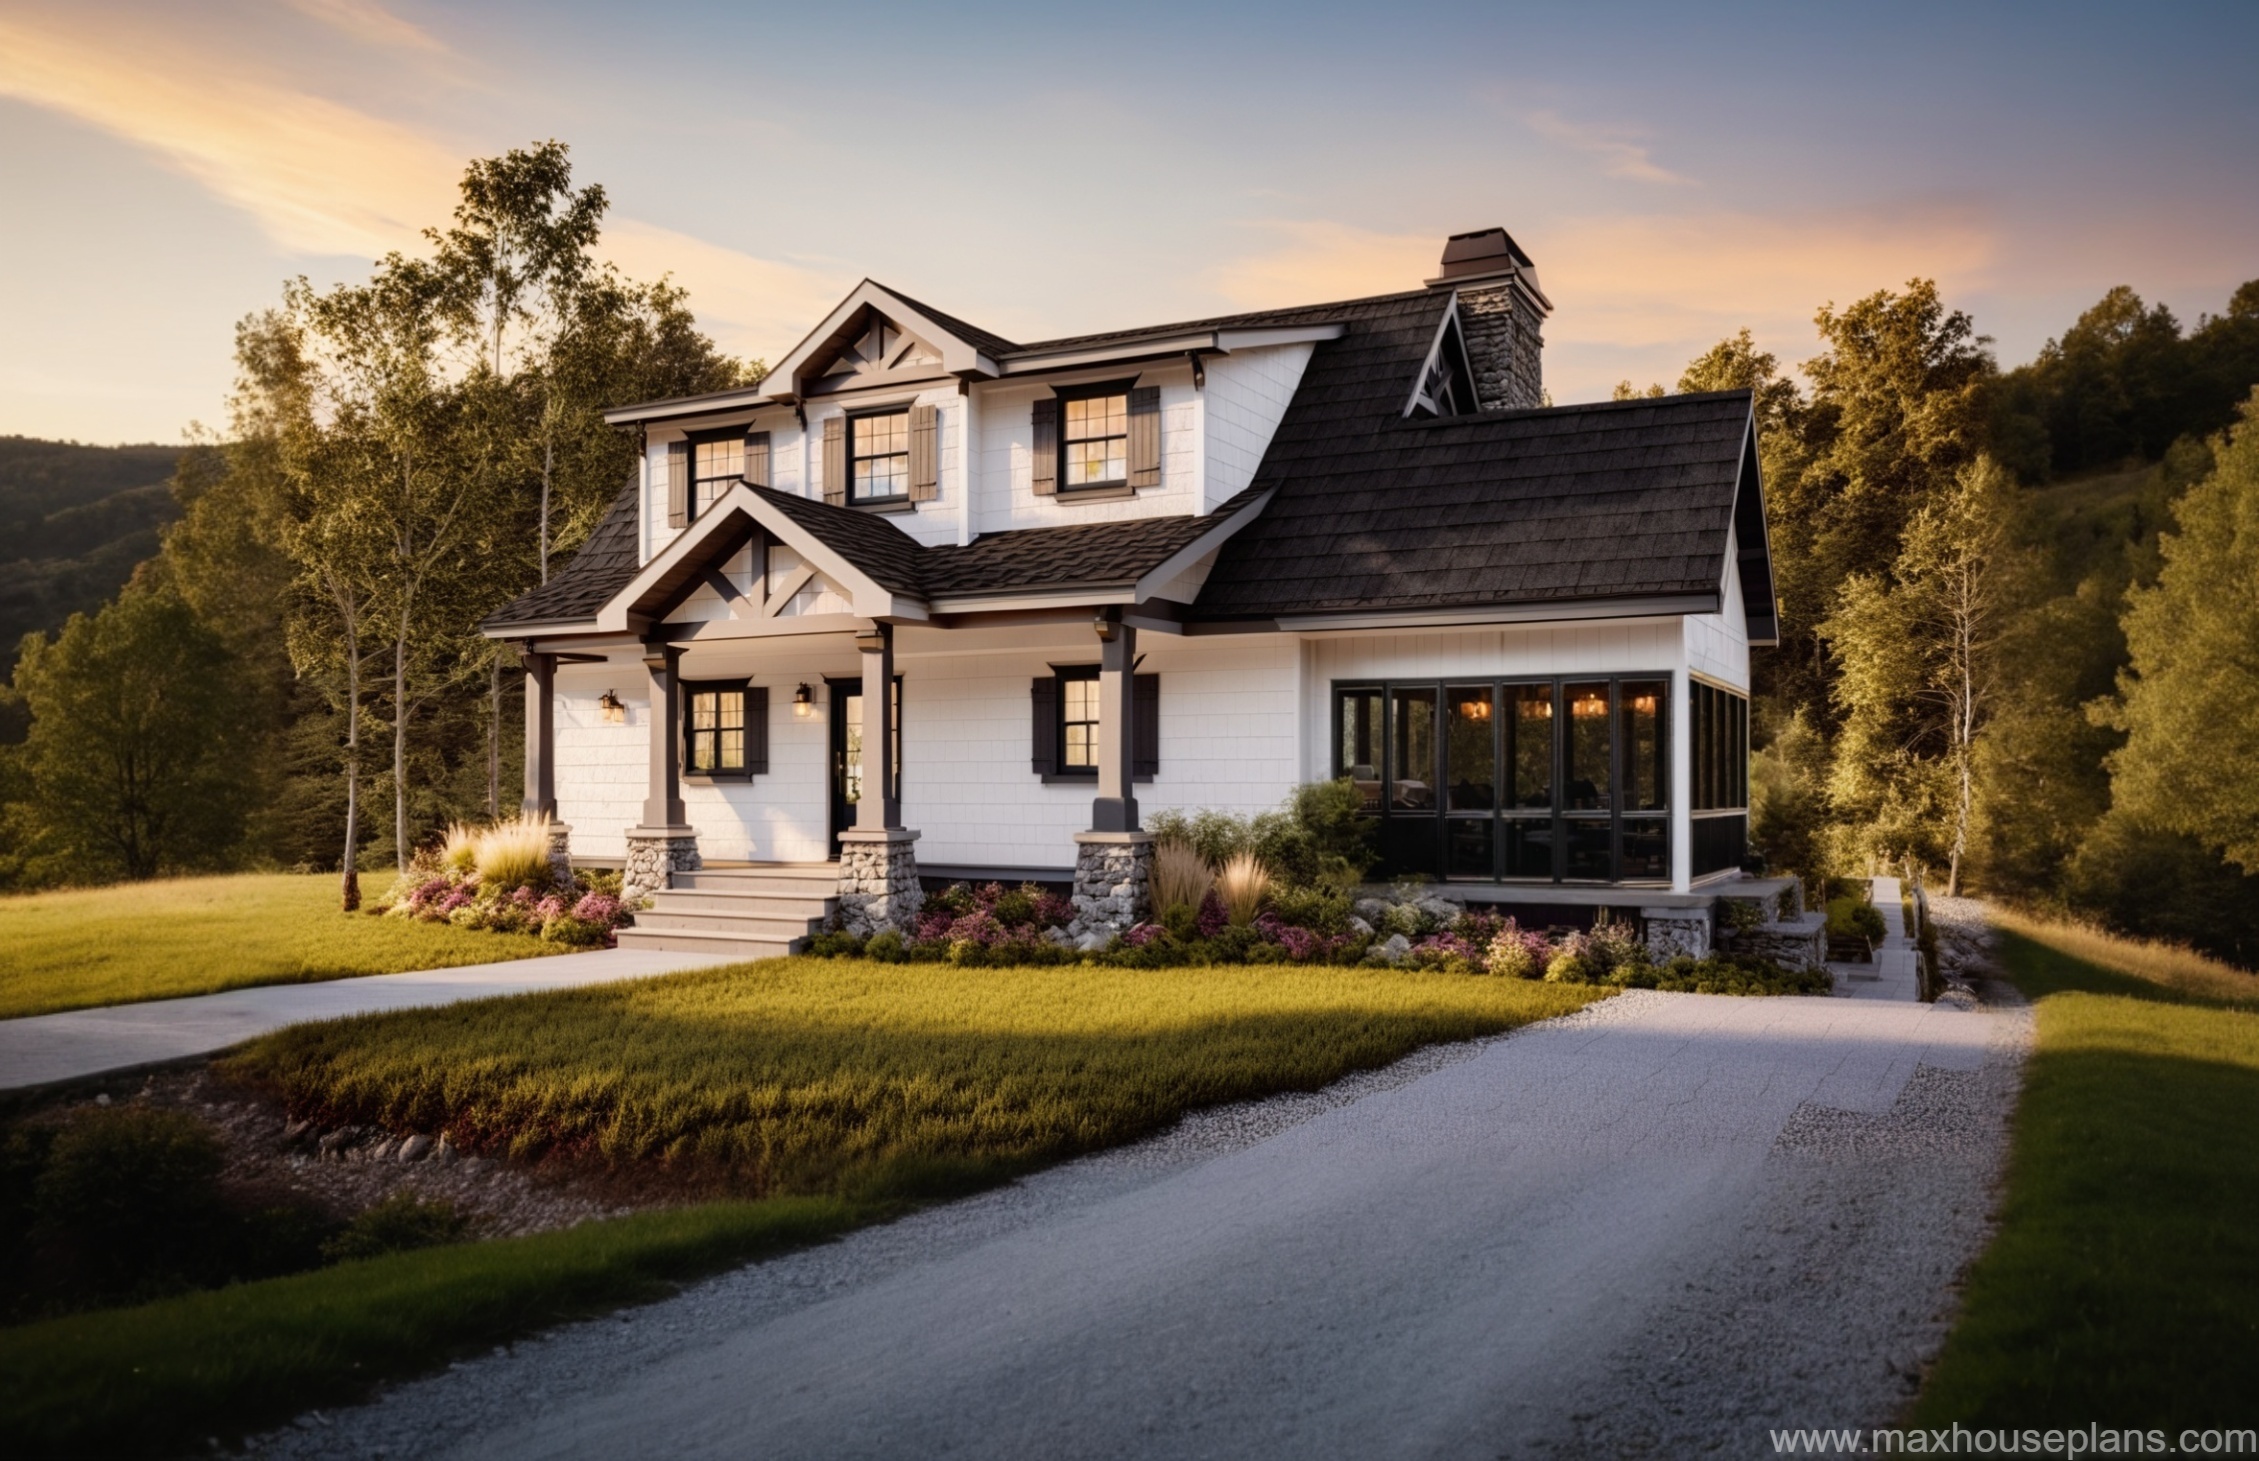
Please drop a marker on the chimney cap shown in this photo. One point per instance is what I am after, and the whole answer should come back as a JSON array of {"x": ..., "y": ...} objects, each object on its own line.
[{"x": 1485, "y": 251}]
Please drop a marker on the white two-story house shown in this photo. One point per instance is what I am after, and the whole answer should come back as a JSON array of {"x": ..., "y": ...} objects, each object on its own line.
[{"x": 1187, "y": 566}]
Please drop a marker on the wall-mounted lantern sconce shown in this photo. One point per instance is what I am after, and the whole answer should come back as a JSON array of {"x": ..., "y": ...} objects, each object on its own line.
[
  {"x": 803, "y": 702},
  {"x": 615, "y": 709}
]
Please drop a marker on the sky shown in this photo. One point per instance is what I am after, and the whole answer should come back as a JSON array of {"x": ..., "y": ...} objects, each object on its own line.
[{"x": 1677, "y": 172}]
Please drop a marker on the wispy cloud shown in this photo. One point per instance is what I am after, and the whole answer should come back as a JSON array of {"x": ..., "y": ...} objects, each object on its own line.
[
  {"x": 319, "y": 177},
  {"x": 367, "y": 21},
  {"x": 322, "y": 178},
  {"x": 1621, "y": 156}
]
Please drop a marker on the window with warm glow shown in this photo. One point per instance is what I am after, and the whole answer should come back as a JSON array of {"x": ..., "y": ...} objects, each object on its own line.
[
  {"x": 714, "y": 732},
  {"x": 1078, "y": 720},
  {"x": 1094, "y": 441},
  {"x": 878, "y": 449}
]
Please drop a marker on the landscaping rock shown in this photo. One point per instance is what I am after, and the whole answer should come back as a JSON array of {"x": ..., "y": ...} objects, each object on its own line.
[
  {"x": 1091, "y": 943},
  {"x": 1372, "y": 909},
  {"x": 1360, "y": 927},
  {"x": 415, "y": 1148},
  {"x": 1059, "y": 936},
  {"x": 1442, "y": 910},
  {"x": 381, "y": 1151},
  {"x": 444, "y": 1152},
  {"x": 1396, "y": 948}
]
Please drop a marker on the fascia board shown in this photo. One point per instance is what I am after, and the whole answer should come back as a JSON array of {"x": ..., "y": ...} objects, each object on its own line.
[
  {"x": 1047, "y": 598},
  {"x": 749, "y": 398},
  {"x": 1659, "y": 606},
  {"x": 1219, "y": 341},
  {"x": 871, "y": 599},
  {"x": 1177, "y": 563}
]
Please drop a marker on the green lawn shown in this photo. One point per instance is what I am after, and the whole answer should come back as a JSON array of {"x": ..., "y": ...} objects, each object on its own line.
[
  {"x": 161, "y": 940},
  {"x": 2123, "y": 1288}
]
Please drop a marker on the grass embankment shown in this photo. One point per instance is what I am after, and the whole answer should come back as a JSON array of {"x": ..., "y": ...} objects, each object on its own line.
[
  {"x": 162, "y": 940},
  {"x": 849, "y": 1085},
  {"x": 2123, "y": 1288}
]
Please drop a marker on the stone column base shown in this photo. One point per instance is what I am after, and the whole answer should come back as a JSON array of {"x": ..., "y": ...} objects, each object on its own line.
[
  {"x": 1675, "y": 931},
  {"x": 561, "y": 854},
  {"x": 654, "y": 856},
  {"x": 878, "y": 881},
  {"x": 1113, "y": 883}
]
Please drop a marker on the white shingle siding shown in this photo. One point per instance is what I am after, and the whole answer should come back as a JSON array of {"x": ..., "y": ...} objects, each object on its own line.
[
  {"x": 1246, "y": 396},
  {"x": 1005, "y": 496},
  {"x": 1717, "y": 645},
  {"x": 603, "y": 771}
]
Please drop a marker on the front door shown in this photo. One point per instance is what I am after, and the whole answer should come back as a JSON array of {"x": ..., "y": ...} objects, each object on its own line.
[
  {"x": 846, "y": 755},
  {"x": 847, "y": 751}
]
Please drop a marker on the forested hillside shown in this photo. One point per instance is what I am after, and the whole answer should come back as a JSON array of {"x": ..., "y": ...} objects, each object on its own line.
[{"x": 74, "y": 520}]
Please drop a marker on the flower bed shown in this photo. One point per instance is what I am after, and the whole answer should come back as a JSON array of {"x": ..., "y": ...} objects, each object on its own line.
[
  {"x": 993, "y": 925},
  {"x": 452, "y": 884}
]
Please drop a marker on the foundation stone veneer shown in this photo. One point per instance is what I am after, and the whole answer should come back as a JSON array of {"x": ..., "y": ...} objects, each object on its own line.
[
  {"x": 1675, "y": 931},
  {"x": 1113, "y": 882},
  {"x": 654, "y": 856},
  {"x": 878, "y": 881}
]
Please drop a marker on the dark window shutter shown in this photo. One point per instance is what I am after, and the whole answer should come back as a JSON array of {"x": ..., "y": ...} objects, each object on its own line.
[
  {"x": 1044, "y": 742},
  {"x": 757, "y": 458},
  {"x": 1046, "y": 458},
  {"x": 925, "y": 453},
  {"x": 756, "y": 730},
  {"x": 1145, "y": 727},
  {"x": 678, "y": 484},
  {"x": 835, "y": 461},
  {"x": 1145, "y": 436}
]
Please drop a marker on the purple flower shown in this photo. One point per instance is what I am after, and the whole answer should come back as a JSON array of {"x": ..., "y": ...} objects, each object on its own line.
[
  {"x": 1214, "y": 919},
  {"x": 1143, "y": 934},
  {"x": 598, "y": 908}
]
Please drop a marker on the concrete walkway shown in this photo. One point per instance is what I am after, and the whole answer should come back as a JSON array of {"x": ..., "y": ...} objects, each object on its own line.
[
  {"x": 1894, "y": 973},
  {"x": 44, "y": 1048},
  {"x": 1653, "y": 1228}
]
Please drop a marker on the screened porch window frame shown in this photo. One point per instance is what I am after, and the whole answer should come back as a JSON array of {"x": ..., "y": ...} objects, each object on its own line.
[{"x": 1558, "y": 819}]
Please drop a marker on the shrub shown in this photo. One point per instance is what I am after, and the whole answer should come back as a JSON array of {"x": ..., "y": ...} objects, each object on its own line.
[
  {"x": 1213, "y": 918},
  {"x": 1320, "y": 910},
  {"x": 1852, "y": 917},
  {"x": 1613, "y": 942},
  {"x": 1181, "y": 877},
  {"x": 515, "y": 853},
  {"x": 130, "y": 1199},
  {"x": 1243, "y": 884},
  {"x": 1569, "y": 967},
  {"x": 395, "y": 1225},
  {"x": 887, "y": 947},
  {"x": 1519, "y": 953},
  {"x": 1740, "y": 915},
  {"x": 575, "y": 932}
]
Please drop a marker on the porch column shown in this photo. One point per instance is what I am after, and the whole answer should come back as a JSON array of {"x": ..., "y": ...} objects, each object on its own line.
[
  {"x": 541, "y": 734},
  {"x": 665, "y": 844},
  {"x": 881, "y": 807},
  {"x": 879, "y": 890},
  {"x": 663, "y": 807},
  {"x": 1114, "y": 859},
  {"x": 1115, "y": 810}
]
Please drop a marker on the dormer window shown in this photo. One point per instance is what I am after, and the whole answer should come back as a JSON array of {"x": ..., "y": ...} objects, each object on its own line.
[
  {"x": 1446, "y": 384},
  {"x": 878, "y": 451},
  {"x": 1095, "y": 441},
  {"x": 717, "y": 463}
]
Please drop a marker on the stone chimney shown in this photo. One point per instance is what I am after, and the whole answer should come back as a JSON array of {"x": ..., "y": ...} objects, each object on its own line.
[{"x": 1501, "y": 311}]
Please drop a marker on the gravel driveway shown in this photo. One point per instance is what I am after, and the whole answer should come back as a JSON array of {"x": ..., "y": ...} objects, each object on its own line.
[{"x": 1654, "y": 1228}]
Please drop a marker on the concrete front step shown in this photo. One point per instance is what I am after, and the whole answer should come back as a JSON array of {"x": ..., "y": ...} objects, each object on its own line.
[
  {"x": 664, "y": 918},
  {"x": 784, "y": 882},
  {"x": 744, "y": 905},
  {"x": 684, "y": 941}
]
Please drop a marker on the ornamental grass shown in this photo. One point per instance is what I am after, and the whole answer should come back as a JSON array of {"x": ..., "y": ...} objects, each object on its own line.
[
  {"x": 514, "y": 853},
  {"x": 1243, "y": 884},
  {"x": 1181, "y": 876}
]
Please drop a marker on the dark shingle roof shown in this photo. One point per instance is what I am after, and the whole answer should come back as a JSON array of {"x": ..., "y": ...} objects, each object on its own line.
[
  {"x": 882, "y": 550},
  {"x": 1371, "y": 511},
  {"x": 1082, "y": 553},
  {"x": 599, "y": 570}
]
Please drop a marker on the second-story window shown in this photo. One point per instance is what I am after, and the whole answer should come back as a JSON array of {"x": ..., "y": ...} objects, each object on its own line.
[
  {"x": 717, "y": 464},
  {"x": 878, "y": 451},
  {"x": 1094, "y": 440}
]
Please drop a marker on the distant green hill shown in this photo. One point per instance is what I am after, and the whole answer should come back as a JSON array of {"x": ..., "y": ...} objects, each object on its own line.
[{"x": 74, "y": 520}]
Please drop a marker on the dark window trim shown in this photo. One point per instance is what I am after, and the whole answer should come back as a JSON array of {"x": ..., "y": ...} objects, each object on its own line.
[
  {"x": 743, "y": 690},
  {"x": 1559, "y": 816},
  {"x": 697, "y": 439},
  {"x": 871, "y": 413},
  {"x": 1061, "y": 676},
  {"x": 1112, "y": 487}
]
